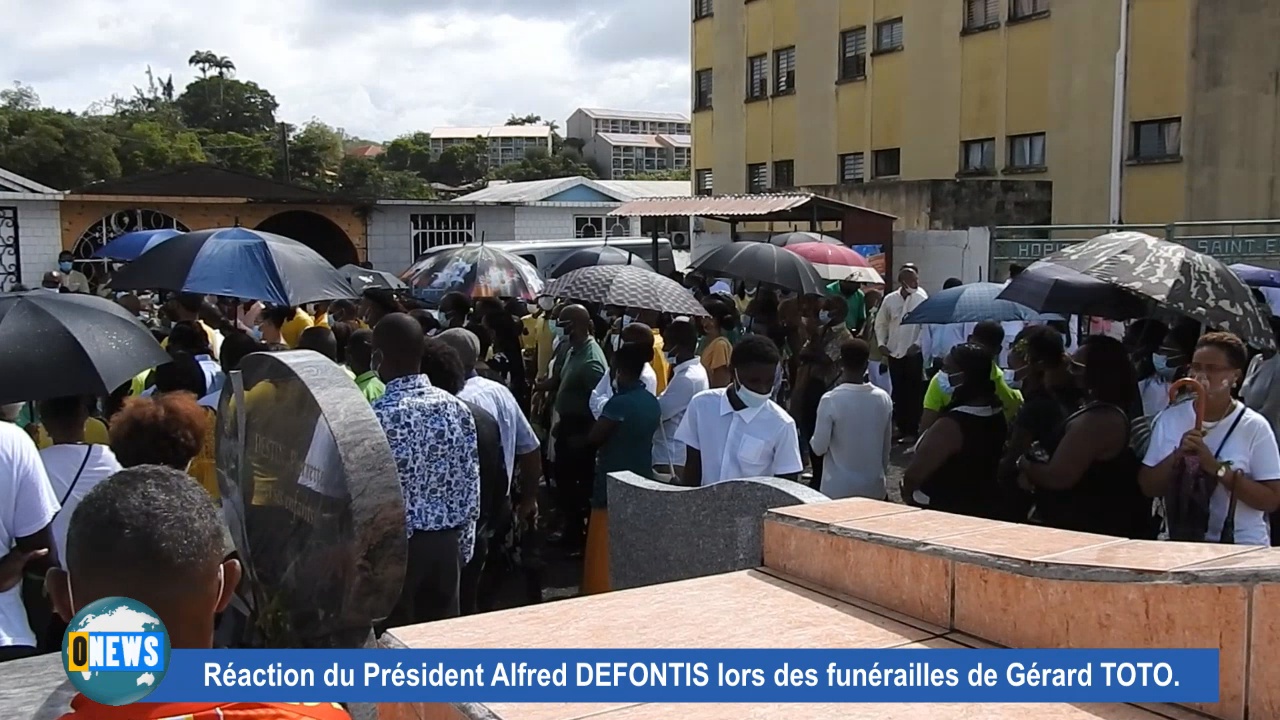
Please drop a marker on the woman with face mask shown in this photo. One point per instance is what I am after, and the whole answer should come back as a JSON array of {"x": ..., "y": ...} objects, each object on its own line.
[
  {"x": 819, "y": 369},
  {"x": 1089, "y": 482},
  {"x": 1168, "y": 364},
  {"x": 1234, "y": 450},
  {"x": 954, "y": 466}
]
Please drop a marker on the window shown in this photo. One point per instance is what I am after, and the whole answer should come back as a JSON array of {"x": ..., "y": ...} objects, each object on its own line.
[
  {"x": 1157, "y": 139},
  {"x": 757, "y": 177},
  {"x": 702, "y": 90},
  {"x": 981, "y": 14},
  {"x": 887, "y": 163},
  {"x": 703, "y": 9},
  {"x": 1026, "y": 151},
  {"x": 704, "y": 182},
  {"x": 784, "y": 174},
  {"x": 594, "y": 226},
  {"x": 853, "y": 54},
  {"x": 758, "y": 77},
  {"x": 680, "y": 158},
  {"x": 1024, "y": 9},
  {"x": 430, "y": 231},
  {"x": 978, "y": 156},
  {"x": 851, "y": 168},
  {"x": 784, "y": 71},
  {"x": 889, "y": 35}
]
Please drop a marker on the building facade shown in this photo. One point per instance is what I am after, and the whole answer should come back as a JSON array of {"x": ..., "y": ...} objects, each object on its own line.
[
  {"x": 30, "y": 230},
  {"x": 827, "y": 92},
  {"x": 507, "y": 143},
  {"x": 621, "y": 143}
]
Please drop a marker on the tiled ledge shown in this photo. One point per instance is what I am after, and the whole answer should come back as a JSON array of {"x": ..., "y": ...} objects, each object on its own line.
[{"x": 1025, "y": 586}]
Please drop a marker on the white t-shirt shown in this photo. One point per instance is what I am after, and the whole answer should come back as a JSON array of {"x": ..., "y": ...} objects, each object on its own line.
[
  {"x": 1155, "y": 395},
  {"x": 27, "y": 504},
  {"x": 1251, "y": 448},
  {"x": 61, "y": 462},
  {"x": 737, "y": 444},
  {"x": 854, "y": 433}
]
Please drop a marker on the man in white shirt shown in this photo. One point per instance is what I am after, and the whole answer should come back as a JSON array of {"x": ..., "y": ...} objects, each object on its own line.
[
  {"x": 518, "y": 438},
  {"x": 27, "y": 507},
  {"x": 936, "y": 341},
  {"x": 688, "y": 378},
  {"x": 632, "y": 334},
  {"x": 72, "y": 279},
  {"x": 854, "y": 430},
  {"x": 900, "y": 347},
  {"x": 739, "y": 432}
]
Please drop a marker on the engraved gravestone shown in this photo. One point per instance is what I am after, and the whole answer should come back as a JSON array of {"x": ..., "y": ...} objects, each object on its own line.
[
  {"x": 311, "y": 495},
  {"x": 661, "y": 533}
]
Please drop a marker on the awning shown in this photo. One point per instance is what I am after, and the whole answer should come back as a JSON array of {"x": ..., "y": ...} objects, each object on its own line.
[{"x": 784, "y": 207}]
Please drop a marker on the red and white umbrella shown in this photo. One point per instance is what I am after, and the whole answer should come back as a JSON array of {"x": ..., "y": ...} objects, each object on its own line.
[{"x": 837, "y": 262}]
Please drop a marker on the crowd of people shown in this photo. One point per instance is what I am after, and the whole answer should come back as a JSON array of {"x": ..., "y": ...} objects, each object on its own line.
[{"x": 505, "y": 419}]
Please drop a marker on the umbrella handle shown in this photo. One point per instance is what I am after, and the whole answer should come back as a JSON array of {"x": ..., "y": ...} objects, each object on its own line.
[{"x": 1196, "y": 388}]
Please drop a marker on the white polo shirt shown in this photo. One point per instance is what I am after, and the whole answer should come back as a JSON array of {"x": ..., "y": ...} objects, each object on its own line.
[
  {"x": 688, "y": 379},
  {"x": 27, "y": 505},
  {"x": 755, "y": 442}
]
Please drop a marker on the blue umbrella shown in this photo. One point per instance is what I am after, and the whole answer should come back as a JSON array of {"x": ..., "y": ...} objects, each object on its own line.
[
  {"x": 974, "y": 302},
  {"x": 130, "y": 245},
  {"x": 1254, "y": 276},
  {"x": 236, "y": 262}
]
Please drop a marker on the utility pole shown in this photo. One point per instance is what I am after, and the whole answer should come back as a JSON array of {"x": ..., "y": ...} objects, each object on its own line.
[{"x": 284, "y": 150}]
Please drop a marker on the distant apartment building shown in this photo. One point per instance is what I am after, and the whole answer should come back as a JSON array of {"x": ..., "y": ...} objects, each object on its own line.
[
  {"x": 622, "y": 143},
  {"x": 507, "y": 143}
]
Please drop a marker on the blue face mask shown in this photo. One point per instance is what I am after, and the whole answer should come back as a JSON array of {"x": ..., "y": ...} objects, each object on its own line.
[
  {"x": 65, "y": 266},
  {"x": 1161, "y": 363},
  {"x": 947, "y": 384},
  {"x": 824, "y": 317}
]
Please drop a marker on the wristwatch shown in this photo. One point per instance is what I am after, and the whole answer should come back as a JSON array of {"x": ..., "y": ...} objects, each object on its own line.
[{"x": 1223, "y": 469}]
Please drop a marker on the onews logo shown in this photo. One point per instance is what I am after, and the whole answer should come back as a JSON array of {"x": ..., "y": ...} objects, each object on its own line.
[{"x": 115, "y": 651}]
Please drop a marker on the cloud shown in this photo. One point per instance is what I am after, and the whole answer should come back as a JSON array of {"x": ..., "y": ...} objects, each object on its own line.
[{"x": 378, "y": 68}]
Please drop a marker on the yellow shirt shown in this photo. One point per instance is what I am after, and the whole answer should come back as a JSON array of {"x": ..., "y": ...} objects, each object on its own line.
[
  {"x": 95, "y": 433},
  {"x": 322, "y": 320},
  {"x": 935, "y": 399},
  {"x": 659, "y": 362},
  {"x": 529, "y": 340},
  {"x": 717, "y": 354},
  {"x": 546, "y": 346},
  {"x": 292, "y": 330},
  {"x": 204, "y": 468}
]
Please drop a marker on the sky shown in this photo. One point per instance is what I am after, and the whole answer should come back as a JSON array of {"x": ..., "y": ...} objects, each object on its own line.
[{"x": 376, "y": 68}]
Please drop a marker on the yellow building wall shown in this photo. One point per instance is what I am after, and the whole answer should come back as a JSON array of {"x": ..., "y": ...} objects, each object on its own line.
[
  {"x": 1026, "y": 66},
  {"x": 931, "y": 89},
  {"x": 702, "y": 45},
  {"x": 1154, "y": 193},
  {"x": 982, "y": 85},
  {"x": 887, "y": 76}
]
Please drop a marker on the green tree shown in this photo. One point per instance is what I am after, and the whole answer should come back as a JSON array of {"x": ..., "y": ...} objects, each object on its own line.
[
  {"x": 19, "y": 97},
  {"x": 462, "y": 164},
  {"x": 148, "y": 145},
  {"x": 225, "y": 105},
  {"x": 59, "y": 149},
  {"x": 366, "y": 178},
  {"x": 659, "y": 175},
  {"x": 315, "y": 155},
  {"x": 245, "y": 153},
  {"x": 538, "y": 164},
  {"x": 409, "y": 153}
]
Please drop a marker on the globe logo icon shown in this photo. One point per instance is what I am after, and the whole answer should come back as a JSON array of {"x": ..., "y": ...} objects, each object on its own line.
[{"x": 115, "y": 651}]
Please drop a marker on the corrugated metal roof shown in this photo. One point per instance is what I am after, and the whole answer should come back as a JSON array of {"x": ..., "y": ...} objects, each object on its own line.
[
  {"x": 721, "y": 205},
  {"x": 517, "y": 192},
  {"x": 636, "y": 189},
  {"x": 676, "y": 140},
  {"x": 539, "y": 190},
  {"x": 630, "y": 140},
  {"x": 603, "y": 114}
]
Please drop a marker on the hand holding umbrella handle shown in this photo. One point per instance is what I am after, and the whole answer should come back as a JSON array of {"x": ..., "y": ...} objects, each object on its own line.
[{"x": 1194, "y": 387}]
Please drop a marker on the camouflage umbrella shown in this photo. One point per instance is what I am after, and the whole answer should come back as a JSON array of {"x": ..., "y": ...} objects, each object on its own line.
[{"x": 1175, "y": 276}]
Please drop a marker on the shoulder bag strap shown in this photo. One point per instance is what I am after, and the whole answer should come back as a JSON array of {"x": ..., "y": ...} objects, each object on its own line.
[
  {"x": 76, "y": 479},
  {"x": 1228, "y": 534}
]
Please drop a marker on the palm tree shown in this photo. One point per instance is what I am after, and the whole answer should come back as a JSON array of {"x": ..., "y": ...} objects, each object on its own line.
[
  {"x": 204, "y": 61},
  {"x": 223, "y": 68}
]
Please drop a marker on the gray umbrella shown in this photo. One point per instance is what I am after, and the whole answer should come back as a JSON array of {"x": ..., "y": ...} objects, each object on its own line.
[
  {"x": 796, "y": 238},
  {"x": 1175, "y": 276}
]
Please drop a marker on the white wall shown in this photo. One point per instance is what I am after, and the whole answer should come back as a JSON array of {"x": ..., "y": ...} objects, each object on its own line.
[
  {"x": 942, "y": 254},
  {"x": 39, "y": 237},
  {"x": 391, "y": 233}
]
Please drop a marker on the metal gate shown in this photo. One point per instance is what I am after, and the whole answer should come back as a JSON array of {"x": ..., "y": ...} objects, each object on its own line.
[
  {"x": 10, "y": 256},
  {"x": 1256, "y": 242}
]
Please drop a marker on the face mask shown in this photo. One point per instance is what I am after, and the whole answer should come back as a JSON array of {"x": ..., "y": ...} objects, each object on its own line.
[
  {"x": 824, "y": 317},
  {"x": 546, "y": 303},
  {"x": 627, "y": 320},
  {"x": 1011, "y": 379},
  {"x": 750, "y": 398},
  {"x": 746, "y": 322},
  {"x": 948, "y": 384},
  {"x": 65, "y": 266},
  {"x": 671, "y": 359},
  {"x": 615, "y": 341},
  {"x": 1161, "y": 363},
  {"x": 375, "y": 360}
]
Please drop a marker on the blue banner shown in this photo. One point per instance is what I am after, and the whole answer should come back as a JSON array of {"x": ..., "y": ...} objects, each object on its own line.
[{"x": 690, "y": 676}]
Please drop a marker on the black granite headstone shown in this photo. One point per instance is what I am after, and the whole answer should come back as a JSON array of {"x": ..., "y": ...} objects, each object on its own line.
[{"x": 313, "y": 501}]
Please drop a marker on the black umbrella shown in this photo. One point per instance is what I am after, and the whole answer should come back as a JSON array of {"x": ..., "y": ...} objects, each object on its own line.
[
  {"x": 236, "y": 262},
  {"x": 1048, "y": 288},
  {"x": 1175, "y": 276},
  {"x": 361, "y": 279},
  {"x": 628, "y": 287},
  {"x": 762, "y": 262},
  {"x": 799, "y": 238},
  {"x": 58, "y": 344},
  {"x": 602, "y": 255}
]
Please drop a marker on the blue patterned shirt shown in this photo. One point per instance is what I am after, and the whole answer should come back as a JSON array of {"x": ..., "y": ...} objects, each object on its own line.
[{"x": 433, "y": 439}]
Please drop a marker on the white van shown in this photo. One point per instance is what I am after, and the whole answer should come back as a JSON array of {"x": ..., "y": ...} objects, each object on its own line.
[{"x": 546, "y": 255}]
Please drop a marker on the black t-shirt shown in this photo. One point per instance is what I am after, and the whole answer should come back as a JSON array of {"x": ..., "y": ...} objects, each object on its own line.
[{"x": 1044, "y": 411}]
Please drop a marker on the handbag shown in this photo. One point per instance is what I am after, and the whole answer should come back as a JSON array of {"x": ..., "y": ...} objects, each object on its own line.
[{"x": 1188, "y": 499}]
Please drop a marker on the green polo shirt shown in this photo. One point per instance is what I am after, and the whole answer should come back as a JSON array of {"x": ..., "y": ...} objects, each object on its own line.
[
  {"x": 857, "y": 306},
  {"x": 630, "y": 447},
  {"x": 581, "y": 372},
  {"x": 371, "y": 385},
  {"x": 936, "y": 400}
]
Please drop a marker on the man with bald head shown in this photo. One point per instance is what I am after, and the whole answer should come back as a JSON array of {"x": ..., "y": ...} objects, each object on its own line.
[
  {"x": 433, "y": 440},
  {"x": 581, "y": 371},
  {"x": 637, "y": 334}
]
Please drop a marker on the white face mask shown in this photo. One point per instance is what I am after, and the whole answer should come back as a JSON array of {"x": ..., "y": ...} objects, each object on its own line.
[{"x": 750, "y": 398}]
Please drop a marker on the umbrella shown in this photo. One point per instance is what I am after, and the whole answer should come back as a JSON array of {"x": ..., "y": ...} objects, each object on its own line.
[
  {"x": 626, "y": 286},
  {"x": 477, "y": 270},
  {"x": 362, "y": 279},
  {"x": 236, "y": 262},
  {"x": 130, "y": 245},
  {"x": 1254, "y": 276},
  {"x": 762, "y": 262},
  {"x": 58, "y": 344},
  {"x": 603, "y": 255},
  {"x": 1182, "y": 280},
  {"x": 971, "y": 303},
  {"x": 797, "y": 238},
  {"x": 1045, "y": 287},
  {"x": 864, "y": 275},
  {"x": 833, "y": 262}
]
